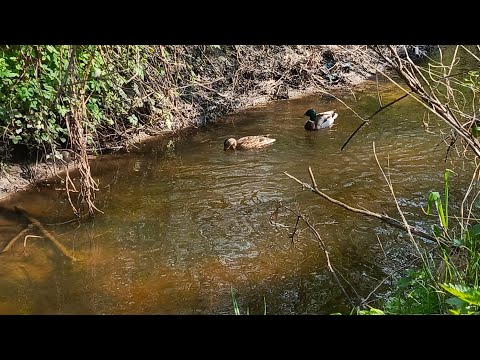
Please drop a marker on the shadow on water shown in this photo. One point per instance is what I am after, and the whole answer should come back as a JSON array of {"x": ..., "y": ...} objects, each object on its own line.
[{"x": 185, "y": 221}]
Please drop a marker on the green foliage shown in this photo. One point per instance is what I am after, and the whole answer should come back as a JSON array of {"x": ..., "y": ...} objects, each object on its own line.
[
  {"x": 40, "y": 84},
  {"x": 419, "y": 292},
  {"x": 121, "y": 87},
  {"x": 476, "y": 130},
  {"x": 435, "y": 198},
  {"x": 33, "y": 104},
  {"x": 416, "y": 293},
  {"x": 472, "y": 80},
  {"x": 466, "y": 299},
  {"x": 464, "y": 293},
  {"x": 370, "y": 311}
]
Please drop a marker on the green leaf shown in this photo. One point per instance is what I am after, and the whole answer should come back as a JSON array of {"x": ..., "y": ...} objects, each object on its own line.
[
  {"x": 465, "y": 293},
  {"x": 15, "y": 139},
  {"x": 456, "y": 303},
  {"x": 434, "y": 198},
  {"x": 52, "y": 49},
  {"x": 436, "y": 230},
  {"x": 457, "y": 242},
  {"x": 62, "y": 110},
  {"x": 446, "y": 175},
  {"x": 138, "y": 70},
  {"x": 132, "y": 119},
  {"x": 371, "y": 311},
  {"x": 475, "y": 131}
]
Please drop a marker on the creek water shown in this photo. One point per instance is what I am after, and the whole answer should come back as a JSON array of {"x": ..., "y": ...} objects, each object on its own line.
[{"x": 185, "y": 222}]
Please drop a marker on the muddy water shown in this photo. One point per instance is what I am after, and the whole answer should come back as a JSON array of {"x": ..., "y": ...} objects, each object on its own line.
[{"x": 185, "y": 222}]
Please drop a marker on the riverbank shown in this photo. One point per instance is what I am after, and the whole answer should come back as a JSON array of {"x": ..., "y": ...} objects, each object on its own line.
[{"x": 221, "y": 80}]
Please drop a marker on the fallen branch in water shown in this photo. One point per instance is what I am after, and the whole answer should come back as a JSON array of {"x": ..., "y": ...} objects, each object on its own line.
[
  {"x": 383, "y": 217},
  {"x": 18, "y": 236},
  {"x": 45, "y": 232}
]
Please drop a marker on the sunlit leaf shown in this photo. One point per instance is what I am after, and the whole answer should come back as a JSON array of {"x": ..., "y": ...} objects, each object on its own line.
[
  {"x": 465, "y": 293},
  {"x": 371, "y": 311}
]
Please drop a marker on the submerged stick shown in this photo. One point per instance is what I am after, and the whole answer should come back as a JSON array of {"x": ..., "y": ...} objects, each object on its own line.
[
  {"x": 385, "y": 218},
  {"x": 47, "y": 234},
  {"x": 19, "y": 235}
]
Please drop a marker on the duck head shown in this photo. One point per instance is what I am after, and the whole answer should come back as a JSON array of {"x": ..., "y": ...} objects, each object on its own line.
[
  {"x": 230, "y": 144},
  {"x": 312, "y": 114}
]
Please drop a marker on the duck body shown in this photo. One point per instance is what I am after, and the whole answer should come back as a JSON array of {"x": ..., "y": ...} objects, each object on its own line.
[
  {"x": 321, "y": 120},
  {"x": 248, "y": 142}
]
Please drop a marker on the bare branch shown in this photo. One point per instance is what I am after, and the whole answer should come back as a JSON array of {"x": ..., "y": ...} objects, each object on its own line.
[
  {"x": 385, "y": 218},
  {"x": 371, "y": 116}
]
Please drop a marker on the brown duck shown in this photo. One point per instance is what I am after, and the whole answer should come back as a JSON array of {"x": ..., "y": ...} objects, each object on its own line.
[{"x": 248, "y": 142}]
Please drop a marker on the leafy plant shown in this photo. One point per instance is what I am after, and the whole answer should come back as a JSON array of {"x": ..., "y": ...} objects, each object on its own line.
[
  {"x": 466, "y": 299},
  {"x": 442, "y": 210},
  {"x": 370, "y": 311},
  {"x": 415, "y": 293},
  {"x": 472, "y": 80}
]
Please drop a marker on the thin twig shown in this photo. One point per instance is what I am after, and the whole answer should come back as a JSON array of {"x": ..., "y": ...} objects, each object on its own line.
[
  {"x": 385, "y": 218},
  {"x": 325, "y": 251},
  {"x": 365, "y": 301},
  {"x": 365, "y": 121},
  {"x": 405, "y": 223}
]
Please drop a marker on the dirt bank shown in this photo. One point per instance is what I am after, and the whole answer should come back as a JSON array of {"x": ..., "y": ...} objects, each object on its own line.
[{"x": 222, "y": 80}]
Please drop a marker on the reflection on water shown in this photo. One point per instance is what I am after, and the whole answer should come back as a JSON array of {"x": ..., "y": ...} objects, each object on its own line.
[{"x": 186, "y": 221}]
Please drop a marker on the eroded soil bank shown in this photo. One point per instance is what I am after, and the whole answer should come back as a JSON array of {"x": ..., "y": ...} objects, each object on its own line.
[{"x": 227, "y": 79}]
